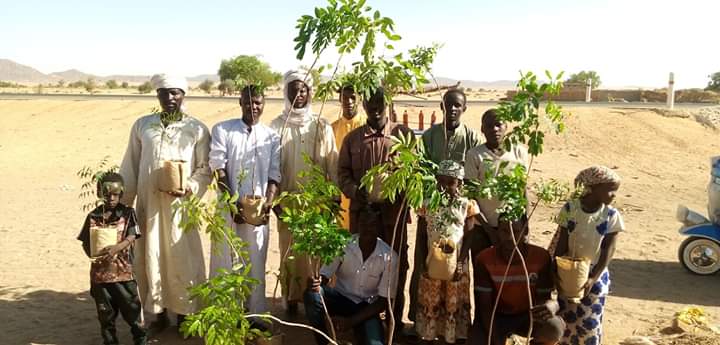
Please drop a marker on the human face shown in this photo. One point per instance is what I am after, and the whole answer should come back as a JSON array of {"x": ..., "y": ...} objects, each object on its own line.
[
  {"x": 453, "y": 106},
  {"x": 375, "y": 110},
  {"x": 298, "y": 92},
  {"x": 505, "y": 232},
  {"x": 605, "y": 192},
  {"x": 170, "y": 99},
  {"x": 449, "y": 184},
  {"x": 112, "y": 199},
  {"x": 493, "y": 130},
  {"x": 348, "y": 100},
  {"x": 252, "y": 108}
]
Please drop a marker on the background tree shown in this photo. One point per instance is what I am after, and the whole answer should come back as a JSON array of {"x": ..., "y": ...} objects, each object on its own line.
[
  {"x": 90, "y": 85},
  {"x": 245, "y": 69},
  {"x": 111, "y": 84},
  {"x": 227, "y": 87},
  {"x": 582, "y": 76},
  {"x": 206, "y": 85},
  {"x": 125, "y": 85},
  {"x": 61, "y": 83},
  {"x": 714, "y": 83},
  {"x": 145, "y": 87}
]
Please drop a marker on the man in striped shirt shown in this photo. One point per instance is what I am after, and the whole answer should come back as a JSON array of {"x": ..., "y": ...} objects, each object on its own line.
[{"x": 514, "y": 304}]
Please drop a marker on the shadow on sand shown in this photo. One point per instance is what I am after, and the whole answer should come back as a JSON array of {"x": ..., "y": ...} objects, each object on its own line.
[{"x": 663, "y": 281}]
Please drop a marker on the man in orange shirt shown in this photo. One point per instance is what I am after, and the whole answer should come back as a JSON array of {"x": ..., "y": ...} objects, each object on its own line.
[{"x": 512, "y": 315}]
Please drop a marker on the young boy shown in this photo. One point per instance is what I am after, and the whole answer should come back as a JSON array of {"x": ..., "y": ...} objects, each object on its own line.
[
  {"x": 489, "y": 156},
  {"x": 513, "y": 307},
  {"x": 112, "y": 284}
]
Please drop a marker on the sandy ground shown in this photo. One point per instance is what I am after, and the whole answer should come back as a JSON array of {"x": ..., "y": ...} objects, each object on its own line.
[{"x": 44, "y": 284}]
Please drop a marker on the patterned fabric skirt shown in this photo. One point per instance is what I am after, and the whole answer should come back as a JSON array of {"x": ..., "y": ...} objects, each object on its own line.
[
  {"x": 584, "y": 320},
  {"x": 443, "y": 308}
]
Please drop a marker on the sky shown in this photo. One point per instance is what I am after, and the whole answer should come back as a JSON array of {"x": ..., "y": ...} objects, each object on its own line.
[{"x": 629, "y": 42}]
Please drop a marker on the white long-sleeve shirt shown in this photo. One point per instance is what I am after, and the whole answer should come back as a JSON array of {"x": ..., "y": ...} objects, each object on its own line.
[{"x": 254, "y": 151}]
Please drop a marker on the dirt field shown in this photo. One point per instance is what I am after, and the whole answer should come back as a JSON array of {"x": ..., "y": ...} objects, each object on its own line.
[{"x": 44, "y": 285}]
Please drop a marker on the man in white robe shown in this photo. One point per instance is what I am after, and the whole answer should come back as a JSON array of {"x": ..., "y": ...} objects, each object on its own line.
[
  {"x": 168, "y": 260},
  {"x": 243, "y": 146},
  {"x": 301, "y": 132}
]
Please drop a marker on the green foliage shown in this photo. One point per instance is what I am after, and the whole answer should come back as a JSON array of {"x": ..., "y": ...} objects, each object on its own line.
[
  {"x": 346, "y": 23},
  {"x": 524, "y": 111},
  {"x": 222, "y": 320},
  {"x": 206, "y": 85},
  {"x": 408, "y": 174},
  {"x": 312, "y": 215},
  {"x": 246, "y": 70},
  {"x": 343, "y": 23},
  {"x": 111, "y": 84},
  {"x": 10, "y": 84},
  {"x": 145, "y": 87},
  {"x": 714, "y": 83},
  {"x": 582, "y": 77},
  {"x": 90, "y": 177},
  {"x": 510, "y": 185},
  {"x": 125, "y": 85},
  {"x": 61, "y": 83},
  {"x": 90, "y": 85},
  {"x": 552, "y": 191}
]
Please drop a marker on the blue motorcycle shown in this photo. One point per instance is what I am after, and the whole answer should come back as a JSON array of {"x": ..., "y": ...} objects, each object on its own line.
[{"x": 699, "y": 253}]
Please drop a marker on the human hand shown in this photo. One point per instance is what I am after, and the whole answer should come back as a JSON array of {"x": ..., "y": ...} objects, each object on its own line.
[
  {"x": 238, "y": 217},
  {"x": 588, "y": 286},
  {"x": 180, "y": 194},
  {"x": 361, "y": 195},
  {"x": 267, "y": 206},
  {"x": 314, "y": 284},
  {"x": 545, "y": 311},
  {"x": 277, "y": 209}
]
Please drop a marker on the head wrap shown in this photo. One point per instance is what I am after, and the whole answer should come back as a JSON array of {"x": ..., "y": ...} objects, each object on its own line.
[
  {"x": 451, "y": 169},
  {"x": 595, "y": 175},
  {"x": 297, "y": 116},
  {"x": 164, "y": 81}
]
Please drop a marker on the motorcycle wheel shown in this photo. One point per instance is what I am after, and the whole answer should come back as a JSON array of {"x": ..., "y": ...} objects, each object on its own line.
[{"x": 700, "y": 255}]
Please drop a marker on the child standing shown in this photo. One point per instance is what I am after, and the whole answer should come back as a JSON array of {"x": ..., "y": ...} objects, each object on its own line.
[
  {"x": 588, "y": 229},
  {"x": 112, "y": 284},
  {"x": 444, "y": 305}
]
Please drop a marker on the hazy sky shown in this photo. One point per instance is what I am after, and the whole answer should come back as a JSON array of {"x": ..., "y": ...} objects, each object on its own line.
[{"x": 629, "y": 42}]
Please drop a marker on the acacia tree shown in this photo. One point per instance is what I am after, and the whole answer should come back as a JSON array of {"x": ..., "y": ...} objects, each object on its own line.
[
  {"x": 714, "y": 83},
  {"x": 206, "y": 85},
  {"x": 582, "y": 77},
  {"x": 244, "y": 68}
]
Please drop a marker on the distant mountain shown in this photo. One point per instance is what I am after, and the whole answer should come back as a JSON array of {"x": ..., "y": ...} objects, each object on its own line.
[
  {"x": 71, "y": 75},
  {"x": 15, "y": 72}
]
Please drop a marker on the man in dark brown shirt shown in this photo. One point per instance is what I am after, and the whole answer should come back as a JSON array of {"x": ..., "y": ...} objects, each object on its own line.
[{"x": 362, "y": 149}]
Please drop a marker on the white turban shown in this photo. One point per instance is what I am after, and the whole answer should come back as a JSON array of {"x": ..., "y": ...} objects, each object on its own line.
[
  {"x": 297, "y": 116},
  {"x": 164, "y": 81}
]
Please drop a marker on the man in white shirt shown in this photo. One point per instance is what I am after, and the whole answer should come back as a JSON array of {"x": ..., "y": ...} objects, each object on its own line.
[
  {"x": 245, "y": 154},
  {"x": 361, "y": 290}
]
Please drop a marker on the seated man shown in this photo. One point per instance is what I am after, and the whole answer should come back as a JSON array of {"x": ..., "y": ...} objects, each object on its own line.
[
  {"x": 361, "y": 290},
  {"x": 512, "y": 316}
]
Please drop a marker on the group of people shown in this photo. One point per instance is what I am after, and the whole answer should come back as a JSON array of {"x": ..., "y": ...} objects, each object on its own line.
[{"x": 155, "y": 261}]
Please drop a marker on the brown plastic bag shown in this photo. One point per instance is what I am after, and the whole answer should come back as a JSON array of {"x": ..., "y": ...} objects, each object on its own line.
[
  {"x": 172, "y": 176},
  {"x": 441, "y": 265},
  {"x": 252, "y": 209},
  {"x": 101, "y": 238},
  {"x": 572, "y": 274}
]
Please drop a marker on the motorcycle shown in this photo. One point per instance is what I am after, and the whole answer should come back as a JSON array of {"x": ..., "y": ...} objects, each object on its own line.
[{"x": 700, "y": 252}]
